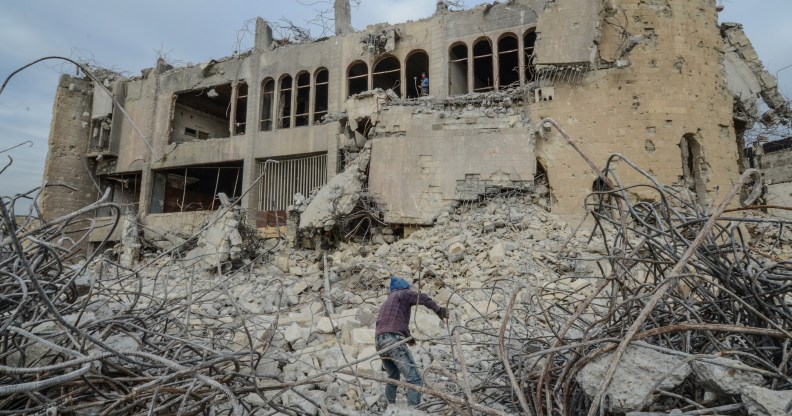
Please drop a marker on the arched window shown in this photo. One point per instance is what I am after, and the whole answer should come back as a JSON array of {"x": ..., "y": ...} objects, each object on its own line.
[
  {"x": 417, "y": 62},
  {"x": 267, "y": 97},
  {"x": 321, "y": 80},
  {"x": 240, "y": 112},
  {"x": 284, "y": 102},
  {"x": 387, "y": 74},
  {"x": 508, "y": 60},
  {"x": 483, "y": 73},
  {"x": 458, "y": 69},
  {"x": 303, "y": 101},
  {"x": 357, "y": 78},
  {"x": 528, "y": 48}
]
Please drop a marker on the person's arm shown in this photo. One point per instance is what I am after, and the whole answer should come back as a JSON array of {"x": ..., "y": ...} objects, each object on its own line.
[{"x": 425, "y": 300}]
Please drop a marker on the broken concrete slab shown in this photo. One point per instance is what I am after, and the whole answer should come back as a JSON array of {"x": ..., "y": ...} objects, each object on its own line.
[
  {"x": 760, "y": 401},
  {"x": 339, "y": 197},
  {"x": 639, "y": 370},
  {"x": 724, "y": 376}
]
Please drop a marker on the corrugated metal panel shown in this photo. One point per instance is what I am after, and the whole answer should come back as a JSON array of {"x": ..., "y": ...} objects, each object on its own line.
[{"x": 287, "y": 177}]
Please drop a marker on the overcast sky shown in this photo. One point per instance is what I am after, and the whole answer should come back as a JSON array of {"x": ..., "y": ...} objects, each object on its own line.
[{"x": 129, "y": 35}]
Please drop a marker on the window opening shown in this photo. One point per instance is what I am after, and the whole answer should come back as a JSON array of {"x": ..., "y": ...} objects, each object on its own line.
[
  {"x": 508, "y": 61},
  {"x": 302, "y": 102},
  {"x": 267, "y": 96},
  {"x": 357, "y": 77},
  {"x": 458, "y": 69},
  {"x": 282, "y": 180},
  {"x": 321, "y": 80},
  {"x": 205, "y": 110},
  {"x": 240, "y": 120},
  {"x": 387, "y": 74},
  {"x": 417, "y": 63},
  {"x": 100, "y": 134},
  {"x": 529, "y": 41},
  {"x": 284, "y": 102},
  {"x": 195, "y": 188},
  {"x": 125, "y": 192},
  {"x": 693, "y": 167},
  {"x": 482, "y": 66}
]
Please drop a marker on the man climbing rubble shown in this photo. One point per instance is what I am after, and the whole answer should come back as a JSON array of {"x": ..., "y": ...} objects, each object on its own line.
[{"x": 392, "y": 327}]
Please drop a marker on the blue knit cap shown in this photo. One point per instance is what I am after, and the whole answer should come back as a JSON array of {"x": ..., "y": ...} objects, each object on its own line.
[{"x": 397, "y": 283}]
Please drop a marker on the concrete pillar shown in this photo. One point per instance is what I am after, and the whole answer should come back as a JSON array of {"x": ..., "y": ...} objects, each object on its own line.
[
  {"x": 263, "y": 35},
  {"x": 343, "y": 17}
]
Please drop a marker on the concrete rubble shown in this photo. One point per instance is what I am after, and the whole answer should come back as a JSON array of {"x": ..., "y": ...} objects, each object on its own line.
[
  {"x": 477, "y": 256},
  {"x": 640, "y": 371}
]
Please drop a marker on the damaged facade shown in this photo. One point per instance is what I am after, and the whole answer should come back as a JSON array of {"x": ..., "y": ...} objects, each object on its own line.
[{"x": 644, "y": 78}]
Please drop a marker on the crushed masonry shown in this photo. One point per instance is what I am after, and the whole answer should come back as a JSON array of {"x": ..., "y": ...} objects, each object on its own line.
[{"x": 573, "y": 187}]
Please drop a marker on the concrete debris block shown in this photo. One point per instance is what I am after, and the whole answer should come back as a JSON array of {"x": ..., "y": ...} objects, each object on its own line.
[
  {"x": 455, "y": 252},
  {"x": 638, "y": 371},
  {"x": 723, "y": 375},
  {"x": 325, "y": 326},
  {"x": 220, "y": 242},
  {"x": 427, "y": 323},
  {"x": 760, "y": 401},
  {"x": 339, "y": 197},
  {"x": 400, "y": 409},
  {"x": 254, "y": 399},
  {"x": 293, "y": 333},
  {"x": 482, "y": 308},
  {"x": 130, "y": 239},
  {"x": 362, "y": 336},
  {"x": 497, "y": 254},
  {"x": 383, "y": 250},
  {"x": 298, "y": 288},
  {"x": 371, "y": 365},
  {"x": 293, "y": 399}
]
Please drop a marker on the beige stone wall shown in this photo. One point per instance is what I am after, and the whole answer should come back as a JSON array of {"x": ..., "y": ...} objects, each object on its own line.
[
  {"x": 673, "y": 86},
  {"x": 421, "y": 162},
  {"x": 66, "y": 162}
]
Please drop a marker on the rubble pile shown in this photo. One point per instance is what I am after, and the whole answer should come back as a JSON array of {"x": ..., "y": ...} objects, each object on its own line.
[{"x": 642, "y": 307}]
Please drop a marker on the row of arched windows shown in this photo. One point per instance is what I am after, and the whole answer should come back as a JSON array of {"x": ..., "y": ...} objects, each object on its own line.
[
  {"x": 386, "y": 73},
  {"x": 303, "y": 99},
  {"x": 488, "y": 59},
  {"x": 297, "y": 101},
  {"x": 483, "y": 66}
]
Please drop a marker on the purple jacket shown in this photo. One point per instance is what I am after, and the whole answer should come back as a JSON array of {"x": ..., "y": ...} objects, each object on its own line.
[{"x": 394, "y": 315}]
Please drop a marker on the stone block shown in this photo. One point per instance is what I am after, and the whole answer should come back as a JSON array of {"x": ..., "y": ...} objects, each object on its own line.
[
  {"x": 325, "y": 326},
  {"x": 760, "y": 401},
  {"x": 638, "y": 371},
  {"x": 723, "y": 376},
  {"x": 362, "y": 336}
]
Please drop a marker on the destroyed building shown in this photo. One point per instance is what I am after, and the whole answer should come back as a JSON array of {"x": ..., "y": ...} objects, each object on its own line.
[{"x": 658, "y": 81}]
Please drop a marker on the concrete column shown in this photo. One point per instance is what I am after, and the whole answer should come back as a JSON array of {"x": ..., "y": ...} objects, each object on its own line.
[
  {"x": 263, "y": 35},
  {"x": 343, "y": 17}
]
